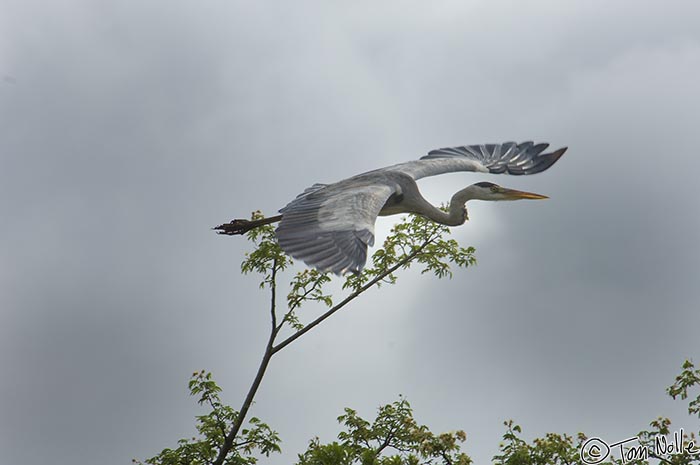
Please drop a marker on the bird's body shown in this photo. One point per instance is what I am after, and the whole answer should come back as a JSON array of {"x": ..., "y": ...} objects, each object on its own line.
[{"x": 330, "y": 226}]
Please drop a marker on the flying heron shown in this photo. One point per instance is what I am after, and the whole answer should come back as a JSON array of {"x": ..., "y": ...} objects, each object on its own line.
[{"x": 330, "y": 226}]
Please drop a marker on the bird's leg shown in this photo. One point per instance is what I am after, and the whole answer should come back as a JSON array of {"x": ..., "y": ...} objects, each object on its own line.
[{"x": 241, "y": 226}]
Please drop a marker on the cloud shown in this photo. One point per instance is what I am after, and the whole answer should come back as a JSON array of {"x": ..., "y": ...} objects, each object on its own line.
[{"x": 129, "y": 129}]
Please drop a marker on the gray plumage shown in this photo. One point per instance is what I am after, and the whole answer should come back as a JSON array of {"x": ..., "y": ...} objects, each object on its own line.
[{"x": 330, "y": 226}]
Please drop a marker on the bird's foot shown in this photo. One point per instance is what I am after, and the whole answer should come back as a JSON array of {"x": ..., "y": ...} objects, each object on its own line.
[{"x": 235, "y": 227}]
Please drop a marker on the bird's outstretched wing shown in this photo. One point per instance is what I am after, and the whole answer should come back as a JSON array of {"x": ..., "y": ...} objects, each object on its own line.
[
  {"x": 329, "y": 227},
  {"x": 509, "y": 158}
]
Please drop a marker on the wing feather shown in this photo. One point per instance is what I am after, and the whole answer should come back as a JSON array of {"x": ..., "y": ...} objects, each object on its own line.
[
  {"x": 509, "y": 157},
  {"x": 329, "y": 227}
]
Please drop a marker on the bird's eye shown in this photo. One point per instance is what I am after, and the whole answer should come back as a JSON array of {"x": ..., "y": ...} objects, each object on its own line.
[{"x": 494, "y": 189}]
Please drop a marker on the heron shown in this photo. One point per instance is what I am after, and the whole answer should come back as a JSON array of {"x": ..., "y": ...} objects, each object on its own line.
[{"x": 330, "y": 226}]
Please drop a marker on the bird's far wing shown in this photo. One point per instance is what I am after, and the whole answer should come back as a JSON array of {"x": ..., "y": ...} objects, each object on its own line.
[
  {"x": 509, "y": 157},
  {"x": 329, "y": 227}
]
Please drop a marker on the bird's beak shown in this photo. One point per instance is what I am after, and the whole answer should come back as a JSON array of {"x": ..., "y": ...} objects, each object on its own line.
[{"x": 512, "y": 194}]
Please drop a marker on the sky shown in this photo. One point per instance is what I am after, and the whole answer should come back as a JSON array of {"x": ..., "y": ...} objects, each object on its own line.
[{"x": 128, "y": 129}]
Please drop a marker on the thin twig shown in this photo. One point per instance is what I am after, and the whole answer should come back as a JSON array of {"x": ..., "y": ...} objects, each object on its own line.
[
  {"x": 348, "y": 299},
  {"x": 273, "y": 298},
  {"x": 385, "y": 444},
  {"x": 296, "y": 303},
  {"x": 219, "y": 421},
  {"x": 653, "y": 455},
  {"x": 228, "y": 441}
]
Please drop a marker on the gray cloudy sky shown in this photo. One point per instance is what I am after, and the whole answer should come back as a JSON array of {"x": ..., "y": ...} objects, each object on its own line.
[{"x": 129, "y": 128}]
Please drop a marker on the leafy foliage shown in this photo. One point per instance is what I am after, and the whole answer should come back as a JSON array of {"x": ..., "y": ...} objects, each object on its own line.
[
  {"x": 223, "y": 439},
  {"x": 212, "y": 428},
  {"x": 556, "y": 449},
  {"x": 689, "y": 377},
  {"x": 414, "y": 239},
  {"x": 687, "y": 380},
  {"x": 267, "y": 258},
  {"x": 306, "y": 286},
  {"x": 394, "y": 438},
  {"x": 553, "y": 449}
]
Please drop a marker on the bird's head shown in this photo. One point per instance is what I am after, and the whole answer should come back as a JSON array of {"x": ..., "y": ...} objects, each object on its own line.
[{"x": 491, "y": 191}]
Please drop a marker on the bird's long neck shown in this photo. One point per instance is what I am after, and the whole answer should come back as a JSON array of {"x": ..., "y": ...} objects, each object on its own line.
[{"x": 456, "y": 213}]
